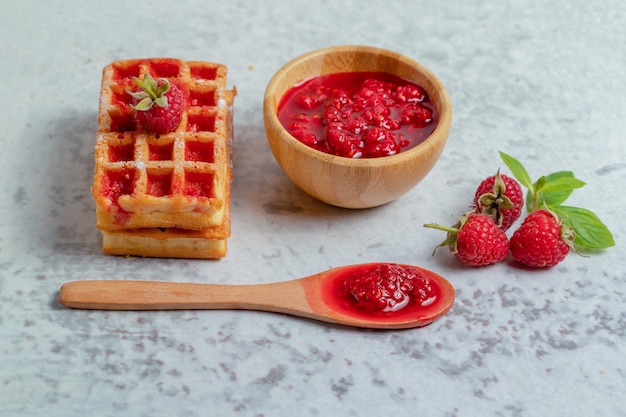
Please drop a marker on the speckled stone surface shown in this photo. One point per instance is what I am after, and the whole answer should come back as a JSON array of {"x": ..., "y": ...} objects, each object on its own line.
[{"x": 541, "y": 80}]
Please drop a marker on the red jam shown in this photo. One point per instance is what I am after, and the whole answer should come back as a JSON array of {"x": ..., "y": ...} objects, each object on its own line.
[
  {"x": 358, "y": 114},
  {"x": 382, "y": 290},
  {"x": 116, "y": 184}
]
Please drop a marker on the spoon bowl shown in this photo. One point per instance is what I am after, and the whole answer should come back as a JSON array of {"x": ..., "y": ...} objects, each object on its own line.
[{"x": 312, "y": 297}]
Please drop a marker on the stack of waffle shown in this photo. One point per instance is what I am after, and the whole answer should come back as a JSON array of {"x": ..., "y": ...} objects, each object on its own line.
[{"x": 165, "y": 195}]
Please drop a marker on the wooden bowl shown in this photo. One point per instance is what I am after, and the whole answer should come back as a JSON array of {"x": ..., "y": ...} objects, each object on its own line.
[{"x": 347, "y": 182}]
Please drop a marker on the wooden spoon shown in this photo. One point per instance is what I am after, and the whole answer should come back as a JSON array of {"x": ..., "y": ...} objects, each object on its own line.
[{"x": 311, "y": 297}]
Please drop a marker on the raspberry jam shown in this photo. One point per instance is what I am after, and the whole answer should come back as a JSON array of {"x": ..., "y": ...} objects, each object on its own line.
[
  {"x": 116, "y": 184},
  {"x": 383, "y": 291},
  {"x": 358, "y": 114}
]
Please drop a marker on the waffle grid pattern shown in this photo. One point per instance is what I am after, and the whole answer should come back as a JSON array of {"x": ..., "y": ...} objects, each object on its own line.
[{"x": 178, "y": 180}]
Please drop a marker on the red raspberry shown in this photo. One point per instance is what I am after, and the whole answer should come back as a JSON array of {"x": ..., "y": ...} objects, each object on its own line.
[
  {"x": 501, "y": 198},
  {"x": 481, "y": 242},
  {"x": 342, "y": 142},
  {"x": 542, "y": 240},
  {"x": 410, "y": 93},
  {"x": 307, "y": 101},
  {"x": 158, "y": 105},
  {"x": 374, "y": 113},
  {"x": 341, "y": 98},
  {"x": 417, "y": 114},
  {"x": 376, "y": 134},
  {"x": 309, "y": 139},
  {"x": 476, "y": 241},
  {"x": 379, "y": 142},
  {"x": 385, "y": 147},
  {"x": 356, "y": 125},
  {"x": 332, "y": 114}
]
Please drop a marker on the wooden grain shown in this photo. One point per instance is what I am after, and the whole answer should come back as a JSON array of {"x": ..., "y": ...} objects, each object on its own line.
[
  {"x": 157, "y": 295},
  {"x": 299, "y": 297},
  {"x": 346, "y": 182}
]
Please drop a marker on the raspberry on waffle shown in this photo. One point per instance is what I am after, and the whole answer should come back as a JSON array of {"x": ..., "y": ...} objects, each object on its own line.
[{"x": 176, "y": 180}]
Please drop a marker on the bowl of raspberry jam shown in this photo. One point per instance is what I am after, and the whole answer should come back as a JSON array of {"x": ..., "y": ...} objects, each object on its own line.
[{"x": 356, "y": 126}]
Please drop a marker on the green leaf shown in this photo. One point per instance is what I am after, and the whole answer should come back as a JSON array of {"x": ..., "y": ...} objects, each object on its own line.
[
  {"x": 558, "y": 187},
  {"x": 561, "y": 184},
  {"x": 539, "y": 184},
  {"x": 555, "y": 198},
  {"x": 518, "y": 170},
  {"x": 533, "y": 196},
  {"x": 591, "y": 233}
]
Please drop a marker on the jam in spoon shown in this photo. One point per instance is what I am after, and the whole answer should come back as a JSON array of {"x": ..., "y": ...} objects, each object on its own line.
[{"x": 375, "y": 295}]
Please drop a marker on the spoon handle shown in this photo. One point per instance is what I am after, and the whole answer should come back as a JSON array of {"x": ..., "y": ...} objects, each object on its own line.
[{"x": 283, "y": 297}]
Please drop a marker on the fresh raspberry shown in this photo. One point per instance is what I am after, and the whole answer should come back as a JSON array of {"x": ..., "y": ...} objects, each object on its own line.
[
  {"x": 481, "y": 242},
  {"x": 158, "y": 105},
  {"x": 501, "y": 198},
  {"x": 476, "y": 240},
  {"x": 542, "y": 240}
]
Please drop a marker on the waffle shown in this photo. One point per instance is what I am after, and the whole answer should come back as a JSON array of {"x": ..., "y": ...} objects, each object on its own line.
[
  {"x": 179, "y": 181},
  {"x": 168, "y": 243}
]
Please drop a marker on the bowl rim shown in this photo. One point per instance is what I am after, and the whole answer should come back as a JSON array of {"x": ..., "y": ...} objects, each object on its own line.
[{"x": 439, "y": 133}]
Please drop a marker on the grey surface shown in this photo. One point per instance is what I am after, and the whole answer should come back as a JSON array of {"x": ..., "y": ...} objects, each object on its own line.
[{"x": 541, "y": 80}]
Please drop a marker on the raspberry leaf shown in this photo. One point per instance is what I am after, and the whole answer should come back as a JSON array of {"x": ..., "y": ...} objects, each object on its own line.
[
  {"x": 559, "y": 184},
  {"x": 518, "y": 170},
  {"x": 591, "y": 233},
  {"x": 552, "y": 190},
  {"x": 547, "y": 191},
  {"x": 554, "y": 197}
]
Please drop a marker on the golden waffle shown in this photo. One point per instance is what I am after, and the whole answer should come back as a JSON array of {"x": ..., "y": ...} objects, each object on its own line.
[
  {"x": 168, "y": 243},
  {"x": 175, "y": 180},
  {"x": 165, "y": 195},
  {"x": 154, "y": 243}
]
